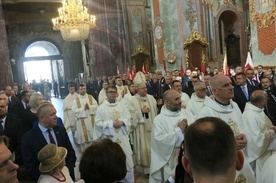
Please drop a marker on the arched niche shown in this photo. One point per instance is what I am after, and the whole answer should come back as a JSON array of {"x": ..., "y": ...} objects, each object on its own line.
[{"x": 195, "y": 47}]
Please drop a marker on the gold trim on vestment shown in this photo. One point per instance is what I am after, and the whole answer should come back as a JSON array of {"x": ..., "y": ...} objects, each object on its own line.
[
  {"x": 84, "y": 129},
  {"x": 145, "y": 127},
  {"x": 240, "y": 179}
]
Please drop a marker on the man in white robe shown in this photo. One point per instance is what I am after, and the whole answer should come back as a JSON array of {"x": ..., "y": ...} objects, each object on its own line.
[
  {"x": 220, "y": 105},
  {"x": 121, "y": 89},
  {"x": 127, "y": 96},
  {"x": 68, "y": 114},
  {"x": 260, "y": 129},
  {"x": 143, "y": 109},
  {"x": 112, "y": 121},
  {"x": 167, "y": 136},
  {"x": 102, "y": 94},
  {"x": 176, "y": 85},
  {"x": 84, "y": 107},
  {"x": 211, "y": 154},
  {"x": 268, "y": 172},
  {"x": 197, "y": 99}
]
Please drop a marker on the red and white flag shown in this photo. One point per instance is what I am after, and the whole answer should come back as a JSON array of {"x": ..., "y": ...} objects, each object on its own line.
[
  {"x": 249, "y": 63},
  {"x": 133, "y": 71},
  {"x": 143, "y": 69},
  {"x": 181, "y": 69},
  {"x": 129, "y": 73},
  {"x": 118, "y": 71},
  {"x": 164, "y": 72},
  {"x": 225, "y": 65}
]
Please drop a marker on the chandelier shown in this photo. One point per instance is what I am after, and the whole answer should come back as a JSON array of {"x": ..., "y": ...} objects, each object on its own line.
[{"x": 73, "y": 21}]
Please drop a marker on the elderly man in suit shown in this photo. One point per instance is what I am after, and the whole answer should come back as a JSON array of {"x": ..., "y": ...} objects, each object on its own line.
[
  {"x": 46, "y": 132},
  {"x": 10, "y": 126}
]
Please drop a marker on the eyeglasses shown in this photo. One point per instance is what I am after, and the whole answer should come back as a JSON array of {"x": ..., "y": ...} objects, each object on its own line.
[
  {"x": 6, "y": 162},
  {"x": 112, "y": 92}
]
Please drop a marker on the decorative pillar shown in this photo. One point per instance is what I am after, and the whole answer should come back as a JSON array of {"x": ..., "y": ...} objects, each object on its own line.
[{"x": 5, "y": 70}]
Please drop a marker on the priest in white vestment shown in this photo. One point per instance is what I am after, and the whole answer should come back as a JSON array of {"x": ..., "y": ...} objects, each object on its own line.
[
  {"x": 112, "y": 121},
  {"x": 122, "y": 90},
  {"x": 260, "y": 129},
  {"x": 84, "y": 107},
  {"x": 102, "y": 94},
  {"x": 68, "y": 114},
  {"x": 176, "y": 85},
  {"x": 132, "y": 89},
  {"x": 220, "y": 105},
  {"x": 143, "y": 109},
  {"x": 197, "y": 99},
  {"x": 167, "y": 136},
  {"x": 268, "y": 172}
]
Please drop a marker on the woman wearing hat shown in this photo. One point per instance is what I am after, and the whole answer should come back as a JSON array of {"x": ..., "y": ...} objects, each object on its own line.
[{"x": 52, "y": 165}]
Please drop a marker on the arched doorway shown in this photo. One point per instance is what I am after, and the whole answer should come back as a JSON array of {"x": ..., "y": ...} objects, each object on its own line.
[
  {"x": 43, "y": 62},
  {"x": 231, "y": 35}
]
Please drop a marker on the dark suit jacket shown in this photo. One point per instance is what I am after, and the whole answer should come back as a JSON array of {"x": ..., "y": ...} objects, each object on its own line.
[
  {"x": 165, "y": 88},
  {"x": 33, "y": 141},
  {"x": 150, "y": 88},
  {"x": 255, "y": 86},
  {"x": 239, "y": 96},
  {"x": 98, "y": 87},
  {"x": 13, "y": 130},
  {"x": 189, "y": 88},
  {"x": 12, "y": 104}
]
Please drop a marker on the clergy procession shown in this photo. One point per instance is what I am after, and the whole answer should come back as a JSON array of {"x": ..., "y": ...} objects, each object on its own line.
[{"x": 168, "y": 127}]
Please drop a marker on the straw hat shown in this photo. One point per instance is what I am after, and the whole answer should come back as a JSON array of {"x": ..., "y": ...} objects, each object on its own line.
[
  {"x": 140, "y": 79},
  {"x": 50, "y": 156}
]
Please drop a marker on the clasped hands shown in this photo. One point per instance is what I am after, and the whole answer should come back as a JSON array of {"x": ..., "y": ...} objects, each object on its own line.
[
  {"x": 183, "y": 124},
  {"x": 86, "y": 106},
  {"x": 241, "y": 141},
  {"x": 145, "y": 109},
  {"x": 117, "y": 123}
]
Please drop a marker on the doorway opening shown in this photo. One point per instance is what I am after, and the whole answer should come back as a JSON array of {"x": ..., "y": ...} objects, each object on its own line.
[{"x": 43, "y": 63}]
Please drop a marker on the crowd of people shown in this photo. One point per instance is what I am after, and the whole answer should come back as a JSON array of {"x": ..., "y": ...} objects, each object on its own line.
[{"x": 199, "y": 127}]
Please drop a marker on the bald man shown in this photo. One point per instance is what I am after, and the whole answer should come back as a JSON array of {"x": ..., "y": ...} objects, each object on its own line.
[
  {"x": 210, "y": 141},
  {"x": 220, "y": 105},
  {"x": 260, "y": 129},
  {"x": 167, "y": 134}
]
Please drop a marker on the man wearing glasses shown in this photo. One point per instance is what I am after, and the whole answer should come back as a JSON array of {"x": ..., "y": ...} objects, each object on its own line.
[
  {"x": 198, "y": 97},
  {"x": 112, "y": 121},
  {"x": 8, "y": 173}
]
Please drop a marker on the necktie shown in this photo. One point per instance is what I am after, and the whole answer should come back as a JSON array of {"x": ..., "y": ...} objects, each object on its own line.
[
  {"x": 209, "y": 92},
  {"x": 1, "y": 128},
  {"x": 148, "y": 83},
  {"x": 252, "y": 83},
  {"x": 245, "y": 92},
  {"x": 52, "y": 140}
]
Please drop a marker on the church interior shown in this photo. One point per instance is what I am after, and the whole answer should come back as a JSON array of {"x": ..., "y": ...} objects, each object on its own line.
[
  {"x": 122, "y": 36},
  {"x": 142, "y": 33}
]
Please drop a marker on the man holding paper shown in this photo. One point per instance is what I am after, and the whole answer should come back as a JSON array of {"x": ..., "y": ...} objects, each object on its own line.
[{"x": 260, "y": 129}]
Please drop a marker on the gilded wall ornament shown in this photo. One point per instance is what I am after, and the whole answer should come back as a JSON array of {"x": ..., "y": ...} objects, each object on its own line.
[
  {"x": 267, "y": 17},
  {"x": 195, "y": 36},
  {"x": 158, "y": 33},
  {"x": 190, "y": 14},
  {"x": 140, "y": 49},
  {"x": 136, "y": 12},
  {"x": 171, "y": 57}
]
